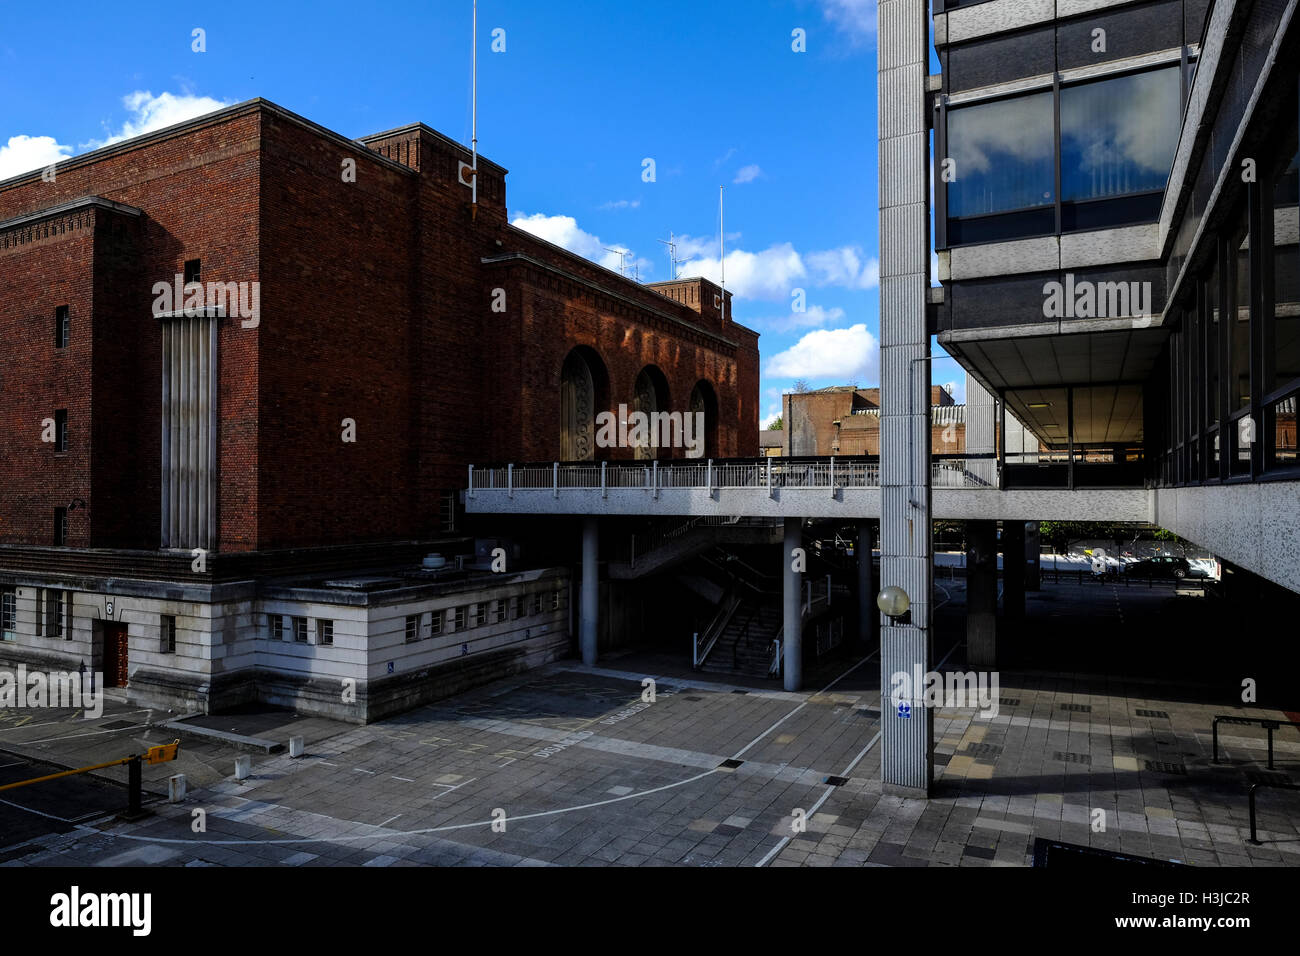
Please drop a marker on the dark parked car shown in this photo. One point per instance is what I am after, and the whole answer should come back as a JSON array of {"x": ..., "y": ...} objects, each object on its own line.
[{"x": 1161, "y": 566}]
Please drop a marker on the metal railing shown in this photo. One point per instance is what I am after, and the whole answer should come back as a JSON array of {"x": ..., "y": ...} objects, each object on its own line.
[
  {"x": 831, "y": 474},
  {"x": 1279, "y": 785},
  {"x": 701, "y": 649},
  {"x": 1269, "y": 725}
]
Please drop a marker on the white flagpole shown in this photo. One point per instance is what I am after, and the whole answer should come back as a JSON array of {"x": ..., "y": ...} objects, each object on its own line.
[
  {"x": 474, "y": 83},
  {"x": 722, "y": 249}
]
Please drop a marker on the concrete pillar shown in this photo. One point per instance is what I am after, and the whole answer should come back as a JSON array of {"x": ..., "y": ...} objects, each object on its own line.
[
  {"x": 868, "y": 615},
  {"x": 906, "y": 551},
  {"x": 792, "y": 636},
  {"x": 590, "y": 590},
  {"x": 1033, "y": 557},
  {"x": 1013, "y": 570},
  {"x": 981, "y": 593}
]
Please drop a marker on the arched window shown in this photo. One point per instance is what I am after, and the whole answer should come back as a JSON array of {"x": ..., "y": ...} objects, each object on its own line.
[
  {"x": 651, "y": 398},
  {"x": 583, "y": 393},
  {"x": 704, "y": 401}
]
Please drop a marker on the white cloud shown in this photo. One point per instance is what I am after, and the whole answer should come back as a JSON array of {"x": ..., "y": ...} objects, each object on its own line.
[
  {"x": 769, "y": 274},
  {"x": 773, "y": 413},
  {"x": 837, "y": 354},
  {"x": 747, "y": 174},
  {"x": 814, "y": 317},
  {"x": 149, "y": 113},
  {"x": 857, "y": 18},
  {"x": 846, "y": 267},
  {"x": 22, "y": 154},
  {"x": 775, "y": 272},
  {"x": 564, "y": 232},
  {"x": 622, "y": 204}
]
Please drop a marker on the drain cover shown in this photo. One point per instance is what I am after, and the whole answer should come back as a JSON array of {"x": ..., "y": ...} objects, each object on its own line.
[
  {"x": 1163, "y": 767},
  {"x": 1152, "y": 713},
  {"x": 836, "y": 781},
  {"x": 1009, "y": 701},
  {"x": 1077, "y": 708},
  {"x": 1072, "y": 758},
  {"x": 730, "y": 764}
]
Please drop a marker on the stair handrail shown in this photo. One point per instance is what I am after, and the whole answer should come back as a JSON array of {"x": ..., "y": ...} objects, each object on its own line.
[{"x": 714, "y": 630}]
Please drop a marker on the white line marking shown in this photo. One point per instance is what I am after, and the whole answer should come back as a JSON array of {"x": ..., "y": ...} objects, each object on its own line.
[
  {"x": 389, "y": 820},
  {"x": 818, "y": 805},
  {"x": 51, "y": 723},
  {"x": 403, "y": 779},
  {"x": 478, "y": 824}
]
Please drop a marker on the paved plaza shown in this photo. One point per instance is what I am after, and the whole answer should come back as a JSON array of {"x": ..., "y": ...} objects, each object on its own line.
[{"x": 570, "y": 765}]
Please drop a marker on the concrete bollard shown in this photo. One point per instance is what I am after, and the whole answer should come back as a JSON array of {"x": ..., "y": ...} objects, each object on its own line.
[
  {"x": 297, "y": 747},
  {"x": 243, "y": 767},
  {"x": 176, "y": 788}
]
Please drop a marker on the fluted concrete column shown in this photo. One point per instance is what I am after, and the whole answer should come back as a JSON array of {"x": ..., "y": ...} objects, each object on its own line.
[
  {"x": 792, "y": 637},
  {"x": 868, "y": 615},
  {"x": 1033, "y": 557},
  {"x": 981, "y": 594},
  {"x": 590, "y": 590},
  {"x": 1013, "y": 570},
  {"x": 906, "y": 552}
]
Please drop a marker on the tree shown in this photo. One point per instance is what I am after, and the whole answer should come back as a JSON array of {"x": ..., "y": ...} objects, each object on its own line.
[
  {"x": 801, "y": 386},
  {"x": 777, "y": 424}
]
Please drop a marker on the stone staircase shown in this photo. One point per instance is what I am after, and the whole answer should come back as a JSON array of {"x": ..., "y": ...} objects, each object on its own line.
[{"x": 745, "y": 646}]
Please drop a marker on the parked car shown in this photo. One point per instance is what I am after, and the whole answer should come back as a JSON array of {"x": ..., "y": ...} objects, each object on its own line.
[{"x": 1163, "y": 566}]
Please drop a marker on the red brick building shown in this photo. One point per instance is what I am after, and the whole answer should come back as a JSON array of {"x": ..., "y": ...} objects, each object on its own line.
[{"x": 398, "y": 334}]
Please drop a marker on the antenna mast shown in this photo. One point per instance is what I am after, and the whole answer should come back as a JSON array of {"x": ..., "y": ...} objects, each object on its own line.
[
  {"x": 474, "y": 141},
  {"x": 672, "y": 255},
  {"x": 722, "y": 248},
  {"x": 622, "y": 259}
]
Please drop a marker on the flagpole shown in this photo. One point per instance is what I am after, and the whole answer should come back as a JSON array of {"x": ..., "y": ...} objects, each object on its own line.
[
  {"x": 722, "y": 248},
  {"x": 474, "y": 134}
]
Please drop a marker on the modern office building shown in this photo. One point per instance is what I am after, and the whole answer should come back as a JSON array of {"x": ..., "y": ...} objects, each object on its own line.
[{"x": 1117, "y": 227}]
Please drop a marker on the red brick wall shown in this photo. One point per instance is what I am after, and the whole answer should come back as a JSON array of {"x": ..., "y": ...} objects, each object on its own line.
[
  {"x": 199, "y": 192},
  {"x": 375, "y": 306}
]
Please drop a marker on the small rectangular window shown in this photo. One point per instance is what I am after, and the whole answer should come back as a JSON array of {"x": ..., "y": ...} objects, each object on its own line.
[
  {"x": 325, "y": 633},
  {"x": 555, "y": 600},
  {"x": 412, "y": 628},
  {"x": 480, "y": 614},
  {"x": 537, "y": 602},
  {"x": 193, "y": 271},
  {"x": 167, "y": 634},
  {"x": 8, "y": 615},
  {"x": 519, "y": 606},
  {"x": 277, "y": 626},
  {"x": 435, "y": 622},
  {"x": 56, "y": 614},
  {"x": 460, "y": 617},
  {"x": 62, "y": 327},
  {"x": 501, "y": 610},
  {"x": 300, "y": 630},
  {"x": 61, "y": 430},
  {"x": 60, "y": 527}
]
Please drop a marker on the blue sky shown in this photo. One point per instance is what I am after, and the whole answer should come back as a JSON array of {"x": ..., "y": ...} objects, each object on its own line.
[{"x": 584, "y": 92}]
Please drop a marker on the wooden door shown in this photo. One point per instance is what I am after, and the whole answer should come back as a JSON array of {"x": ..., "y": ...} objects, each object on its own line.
[{"x": 115, "y": 654}]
